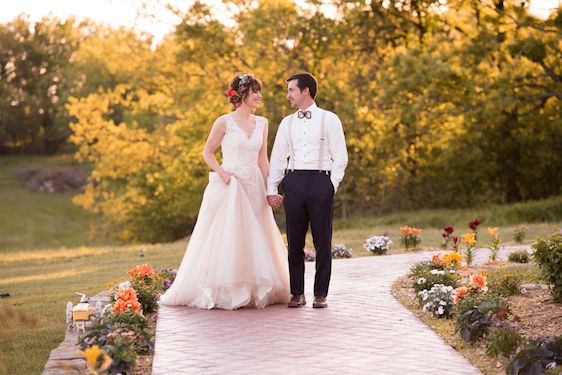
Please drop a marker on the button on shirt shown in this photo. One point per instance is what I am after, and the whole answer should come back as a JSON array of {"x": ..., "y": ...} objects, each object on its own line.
[{"x": 306, "y": 146}]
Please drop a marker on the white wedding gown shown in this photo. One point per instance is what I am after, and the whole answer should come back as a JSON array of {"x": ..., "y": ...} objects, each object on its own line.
[{"x": 236, "y": 256}]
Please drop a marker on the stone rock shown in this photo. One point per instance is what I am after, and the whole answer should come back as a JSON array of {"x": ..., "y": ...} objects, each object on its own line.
[
  {"x": 531, "y": 286},
  {"x": 65, "y": 359}
]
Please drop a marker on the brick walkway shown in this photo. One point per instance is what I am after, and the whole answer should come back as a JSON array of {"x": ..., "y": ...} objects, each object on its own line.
[{"x": 363, "y": 331}]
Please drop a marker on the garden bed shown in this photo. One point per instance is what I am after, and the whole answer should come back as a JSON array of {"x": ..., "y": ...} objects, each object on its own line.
[{"x": 539, "y": 317}]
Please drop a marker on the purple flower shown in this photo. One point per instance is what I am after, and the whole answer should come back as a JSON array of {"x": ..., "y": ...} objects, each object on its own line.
[
  {"x": 168, "y": 282},
  {"x": 497, "y": 324}
]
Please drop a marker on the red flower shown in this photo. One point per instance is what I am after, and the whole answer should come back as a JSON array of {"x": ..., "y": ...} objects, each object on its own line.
[
  {"x": 449, "y": 229},
  {"x": 231, "y": 93},
  {"x": 474, "y": 224},
  {"x": 455, "y": 239}
]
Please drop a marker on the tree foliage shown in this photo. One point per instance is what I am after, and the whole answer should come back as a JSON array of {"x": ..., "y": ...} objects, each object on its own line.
[{"x": 443, "y": 103}]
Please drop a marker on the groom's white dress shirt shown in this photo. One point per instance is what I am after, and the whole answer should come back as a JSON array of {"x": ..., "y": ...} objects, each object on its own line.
[{"x": 306, "y": 139}]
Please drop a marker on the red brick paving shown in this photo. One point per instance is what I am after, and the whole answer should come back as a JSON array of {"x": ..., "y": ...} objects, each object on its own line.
[{"x": 365, "y": 330}]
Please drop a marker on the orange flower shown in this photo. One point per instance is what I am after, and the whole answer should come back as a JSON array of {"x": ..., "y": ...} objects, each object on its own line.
[
  {"x": 479, "y": 280},
  {"x": 437, "y": 259},
  {"x": 126, "y": 293},
  {"x": 126, "y": 298},
  {"x": 142, "y": 271},
  {"x": 408, "y": 230},
  {"x": 459, "y": 294}
]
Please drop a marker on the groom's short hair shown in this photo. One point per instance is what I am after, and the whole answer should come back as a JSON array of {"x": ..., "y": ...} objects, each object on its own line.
[{"x": 305, "y": 80}]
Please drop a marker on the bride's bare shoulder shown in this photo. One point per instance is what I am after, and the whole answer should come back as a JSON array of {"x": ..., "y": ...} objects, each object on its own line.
[
  {"x": 222, "y": 120},
  {"x": 262, "y": 120}
]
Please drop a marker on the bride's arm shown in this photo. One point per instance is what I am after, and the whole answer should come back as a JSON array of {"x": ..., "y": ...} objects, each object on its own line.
[
  {"x": 213, "y": 142},
  {"x": 263, "y": 161}
]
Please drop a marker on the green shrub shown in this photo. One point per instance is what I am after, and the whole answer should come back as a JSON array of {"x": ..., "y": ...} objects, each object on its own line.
[
  {"x": 536, "y": 357},
  {"x": 472, "y": 300},
  {"x": 475, "y": 322},
  {"x": 504, "y": 283},
  {"x": 142, "y": 338},
  {"x": 502, "y": 341},
  {"x": 554, "y": 370},
  {"x": 520, "y": 256},
  {"x": 122, "y": 351},
  {"x": 147, "y": 294},
  {"x": 128, "y": 318},
  {"x": 548, "y": 256},
  {"x": 520, "y": 233},
  {"x": 422, "y": 268}
]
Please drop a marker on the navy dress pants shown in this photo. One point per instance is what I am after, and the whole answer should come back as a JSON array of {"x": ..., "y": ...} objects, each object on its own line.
[{"x": 309, "y": 199}]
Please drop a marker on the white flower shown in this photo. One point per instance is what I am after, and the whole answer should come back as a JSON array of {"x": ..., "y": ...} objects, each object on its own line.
[
  {"x": 377, "y": 243},
  {"x": 437, "y": 272},
  {"x": 124, "y": 284},
  {"x": 440, "y": 310},
  {"x": 421, "y": 280},
  {"x": 443, "y": 303},
  {"x": 551, "y": 365}
]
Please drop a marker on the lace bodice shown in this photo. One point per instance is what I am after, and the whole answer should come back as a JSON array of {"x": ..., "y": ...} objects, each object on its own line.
[{"x": 239, "y": 149}]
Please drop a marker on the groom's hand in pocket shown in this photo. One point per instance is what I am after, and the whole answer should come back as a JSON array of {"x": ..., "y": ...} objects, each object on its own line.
[{"x": 274, "y": 201}]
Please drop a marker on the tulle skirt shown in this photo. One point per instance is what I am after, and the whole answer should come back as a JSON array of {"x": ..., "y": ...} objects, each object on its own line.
[{"x": 236, "y": 256}]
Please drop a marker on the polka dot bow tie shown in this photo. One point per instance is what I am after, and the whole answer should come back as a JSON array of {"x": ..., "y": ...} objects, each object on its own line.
[{"x": 305, "y": 114}]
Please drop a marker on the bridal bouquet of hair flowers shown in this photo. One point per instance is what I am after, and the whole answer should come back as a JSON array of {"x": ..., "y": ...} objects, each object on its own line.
[{"x": 235, "y": 95}]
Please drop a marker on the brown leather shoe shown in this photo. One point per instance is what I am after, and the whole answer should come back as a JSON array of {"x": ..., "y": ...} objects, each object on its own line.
[
  {"x": 297, "y": 301},
  {"x": 319, "y": 302}
]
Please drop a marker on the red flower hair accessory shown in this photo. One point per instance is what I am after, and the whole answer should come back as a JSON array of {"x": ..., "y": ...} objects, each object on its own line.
[{"x": 235, "y": 96}]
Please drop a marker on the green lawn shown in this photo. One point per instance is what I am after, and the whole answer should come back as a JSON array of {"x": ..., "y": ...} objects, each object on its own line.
[
  {"x": 48, "y": 252},
  {"x": 40, "y": 282},
  {"x": 31, "y": 220},
  {"x": 431, "y": 237}
]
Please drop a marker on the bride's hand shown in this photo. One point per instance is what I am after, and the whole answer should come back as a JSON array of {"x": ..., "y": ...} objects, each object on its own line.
[{"x": 225, "y": 176}]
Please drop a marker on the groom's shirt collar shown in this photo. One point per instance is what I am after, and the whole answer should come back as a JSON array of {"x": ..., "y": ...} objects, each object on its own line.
[{"x": 312, "y": 108}]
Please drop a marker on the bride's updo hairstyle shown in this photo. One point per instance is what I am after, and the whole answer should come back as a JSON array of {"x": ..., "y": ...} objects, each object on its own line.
[{"x": 240, "y": 88}]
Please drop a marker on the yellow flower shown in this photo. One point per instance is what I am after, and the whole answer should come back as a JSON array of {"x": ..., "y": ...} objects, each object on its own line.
[
  {"x": 452, "y": 257},
  {"x": 469, "y": 239},
  {"x": 493, "y": 231},
  {"x": 92, "y": 354}
]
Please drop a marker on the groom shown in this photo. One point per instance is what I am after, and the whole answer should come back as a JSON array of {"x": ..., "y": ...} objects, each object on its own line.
[{"x": 308, "y": 161}]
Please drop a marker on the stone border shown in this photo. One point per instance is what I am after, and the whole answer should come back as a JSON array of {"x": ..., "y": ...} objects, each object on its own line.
[{"x": 64, "y": 359}]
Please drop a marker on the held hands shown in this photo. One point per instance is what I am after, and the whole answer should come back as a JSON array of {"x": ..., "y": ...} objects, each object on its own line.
[
  {"x": 274, "y": 201},
  {"x": 224, "y": 175}
]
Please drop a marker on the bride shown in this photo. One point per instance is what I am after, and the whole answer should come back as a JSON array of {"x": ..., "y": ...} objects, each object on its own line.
[{"x": 235, "y": 256}]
